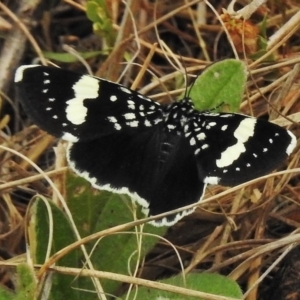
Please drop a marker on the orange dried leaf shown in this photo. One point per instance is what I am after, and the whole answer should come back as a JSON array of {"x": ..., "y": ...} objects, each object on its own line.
[{"x": 244, "y": 33}]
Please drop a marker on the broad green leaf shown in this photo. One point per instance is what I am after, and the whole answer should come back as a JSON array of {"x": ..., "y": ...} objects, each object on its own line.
[
  {"x": 118, "y": 253},
  {"x": 208, "y": 283},
  {"x": 26, "y": 287},
  {"x": 220, "y": 84},
  {"x": 26, "y": 283},
  {"x": 63, "y": 286},
  {"x": 94, "y": 211},
  {"x": 85, "y": 203}
]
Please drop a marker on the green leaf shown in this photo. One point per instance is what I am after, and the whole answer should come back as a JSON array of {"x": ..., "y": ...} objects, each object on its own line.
[
  {"x": 39, "y": 224},
  {"x": 94, "y": 211},
  {"x": 208, "y": 283},
  {"x": 85, "y": 203},
  {"x": 117, "y": 253},
  {"x": 63, "y": 286},
  {"x": 26, "y": 286},
  {"x": 263, "y": 40},
  {"x": 26, "y": 283},
  {"x": 269, "y": 59},
  {"x": 222, "y": 83},
  {"x": 6, "y": 295},
  {"x": 263, "y": 43},
  {"x": 98, "y": 13}
]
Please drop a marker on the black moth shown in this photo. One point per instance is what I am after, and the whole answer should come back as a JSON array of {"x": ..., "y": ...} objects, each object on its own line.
[{"x": 163, "y": 156}]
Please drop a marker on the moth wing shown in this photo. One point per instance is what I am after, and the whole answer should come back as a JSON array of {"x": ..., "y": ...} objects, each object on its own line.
[
  {"x": 79, "y": 107},
  {"x": 233, "y": 148},
  {"x": 158, "y": 171}
]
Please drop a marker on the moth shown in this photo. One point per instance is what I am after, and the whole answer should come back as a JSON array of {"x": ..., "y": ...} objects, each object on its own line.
[{"x": 163, "y": 156}]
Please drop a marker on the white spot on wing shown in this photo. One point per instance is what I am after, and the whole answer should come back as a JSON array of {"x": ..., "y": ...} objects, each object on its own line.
[
  {"x": 201, "y": 136},
  {"x": 292, "y": 144},
  {"x": 132, "y": 123},
  {"x": 113, "y": 98},
  {"x": 212, "y": 179},
  {"x": 224, "y": 127},
  {"x": 69, "y": 137},
  {"x": 125, "y": 90},
  {"x": 243, "y": 132},
  {"x": 112, "y": 119},
  {"x": 131, "y": 104},
  {"x": 20, "y": 71},
  {"x": 118, "y": 126},
  {"x": 192, "y": 141},
  {"x": 210, "y": 114},
  {"x": 147, "y": 123},
  {"x": 143, "y": 97},
  {"x": 85, "y": 88},
  {"x": 172, "y": 127},
  {"x": 226, "y": 115},
  {"x": 129, "y": 116}
]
